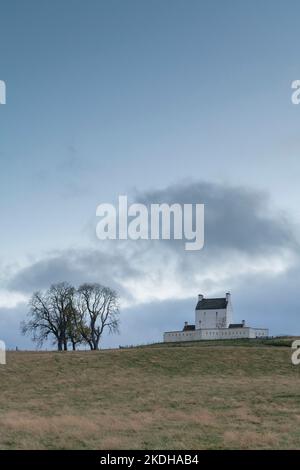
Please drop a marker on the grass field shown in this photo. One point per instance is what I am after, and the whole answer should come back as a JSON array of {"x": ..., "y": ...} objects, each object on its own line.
[{"x": 242, "y": 395}]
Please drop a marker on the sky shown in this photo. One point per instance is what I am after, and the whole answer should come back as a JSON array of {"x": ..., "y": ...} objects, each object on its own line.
[{"x": 169, "y": 101}]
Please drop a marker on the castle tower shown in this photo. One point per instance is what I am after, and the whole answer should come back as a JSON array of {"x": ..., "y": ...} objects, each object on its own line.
[{"x": 213, "y": 312}]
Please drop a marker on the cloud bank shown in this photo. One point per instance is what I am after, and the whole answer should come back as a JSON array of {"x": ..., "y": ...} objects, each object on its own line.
[{"x": 247, "y": 243}]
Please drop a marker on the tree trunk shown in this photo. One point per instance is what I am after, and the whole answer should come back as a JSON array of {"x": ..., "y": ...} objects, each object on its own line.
[{"x": 59, "y": 345}]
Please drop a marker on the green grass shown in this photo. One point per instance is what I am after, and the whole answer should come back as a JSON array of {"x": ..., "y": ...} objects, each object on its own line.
[
  {"x": 285, "y": 341},
  {"x": 182, "y": 396}
]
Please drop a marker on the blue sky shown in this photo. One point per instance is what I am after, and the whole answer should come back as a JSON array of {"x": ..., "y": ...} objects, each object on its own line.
[{"x": 137, "y": 97}]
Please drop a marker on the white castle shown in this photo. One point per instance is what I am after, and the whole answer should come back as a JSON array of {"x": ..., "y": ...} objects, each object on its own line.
[{"x": 213, "y": 320}]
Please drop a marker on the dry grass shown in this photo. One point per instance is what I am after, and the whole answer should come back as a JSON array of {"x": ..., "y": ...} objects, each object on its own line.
[{"x": 151, "y": 398}]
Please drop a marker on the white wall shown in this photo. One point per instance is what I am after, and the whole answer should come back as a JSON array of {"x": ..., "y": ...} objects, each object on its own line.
[
  {"x": 174, "y": 336},
  {"x": 229, "y": 317},
  {"x": 215, "y": 333},
  {"x": 211, "y": 319}
]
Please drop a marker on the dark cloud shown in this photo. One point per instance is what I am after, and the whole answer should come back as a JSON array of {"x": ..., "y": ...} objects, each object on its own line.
[
  {"x": 236, "y": 218},
  {"x": 74, "y": 266},
  {"x": 238, "y": 223},
  {"x": 250, "y": 249}
]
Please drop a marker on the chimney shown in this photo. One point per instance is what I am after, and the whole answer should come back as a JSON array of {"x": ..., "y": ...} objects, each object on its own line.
[
  {"x": 243, "y": 322},
  {"x": 200, "y": 297},
  {"x": 185, "y": 323},
  {"x": 228, "y": 295}
]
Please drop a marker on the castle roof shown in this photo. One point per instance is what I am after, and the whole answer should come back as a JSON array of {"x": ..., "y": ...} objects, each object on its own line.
[
  {"x": 188, "y": 327},
  {"x": 212, "y": 304}
]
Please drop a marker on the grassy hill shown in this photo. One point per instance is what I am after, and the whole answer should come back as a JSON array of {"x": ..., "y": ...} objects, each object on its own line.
[{"x": 185, "y": 396}]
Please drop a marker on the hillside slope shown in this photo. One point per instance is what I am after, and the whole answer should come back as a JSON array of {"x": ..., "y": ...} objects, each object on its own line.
[{"x": 157, "y": 397}]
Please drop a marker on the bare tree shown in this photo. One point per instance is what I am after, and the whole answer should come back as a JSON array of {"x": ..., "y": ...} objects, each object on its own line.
[
  {"x": 50, "y": 315},
  {"x": 74, "y": 334},
  {"x": 61, "y": 299},
  {"x": 98, "y": 309},
  {"x": 68, "y": 316}
]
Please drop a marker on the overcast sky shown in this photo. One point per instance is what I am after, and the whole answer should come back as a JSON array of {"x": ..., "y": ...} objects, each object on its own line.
[{"x": 165, "y": 101}]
